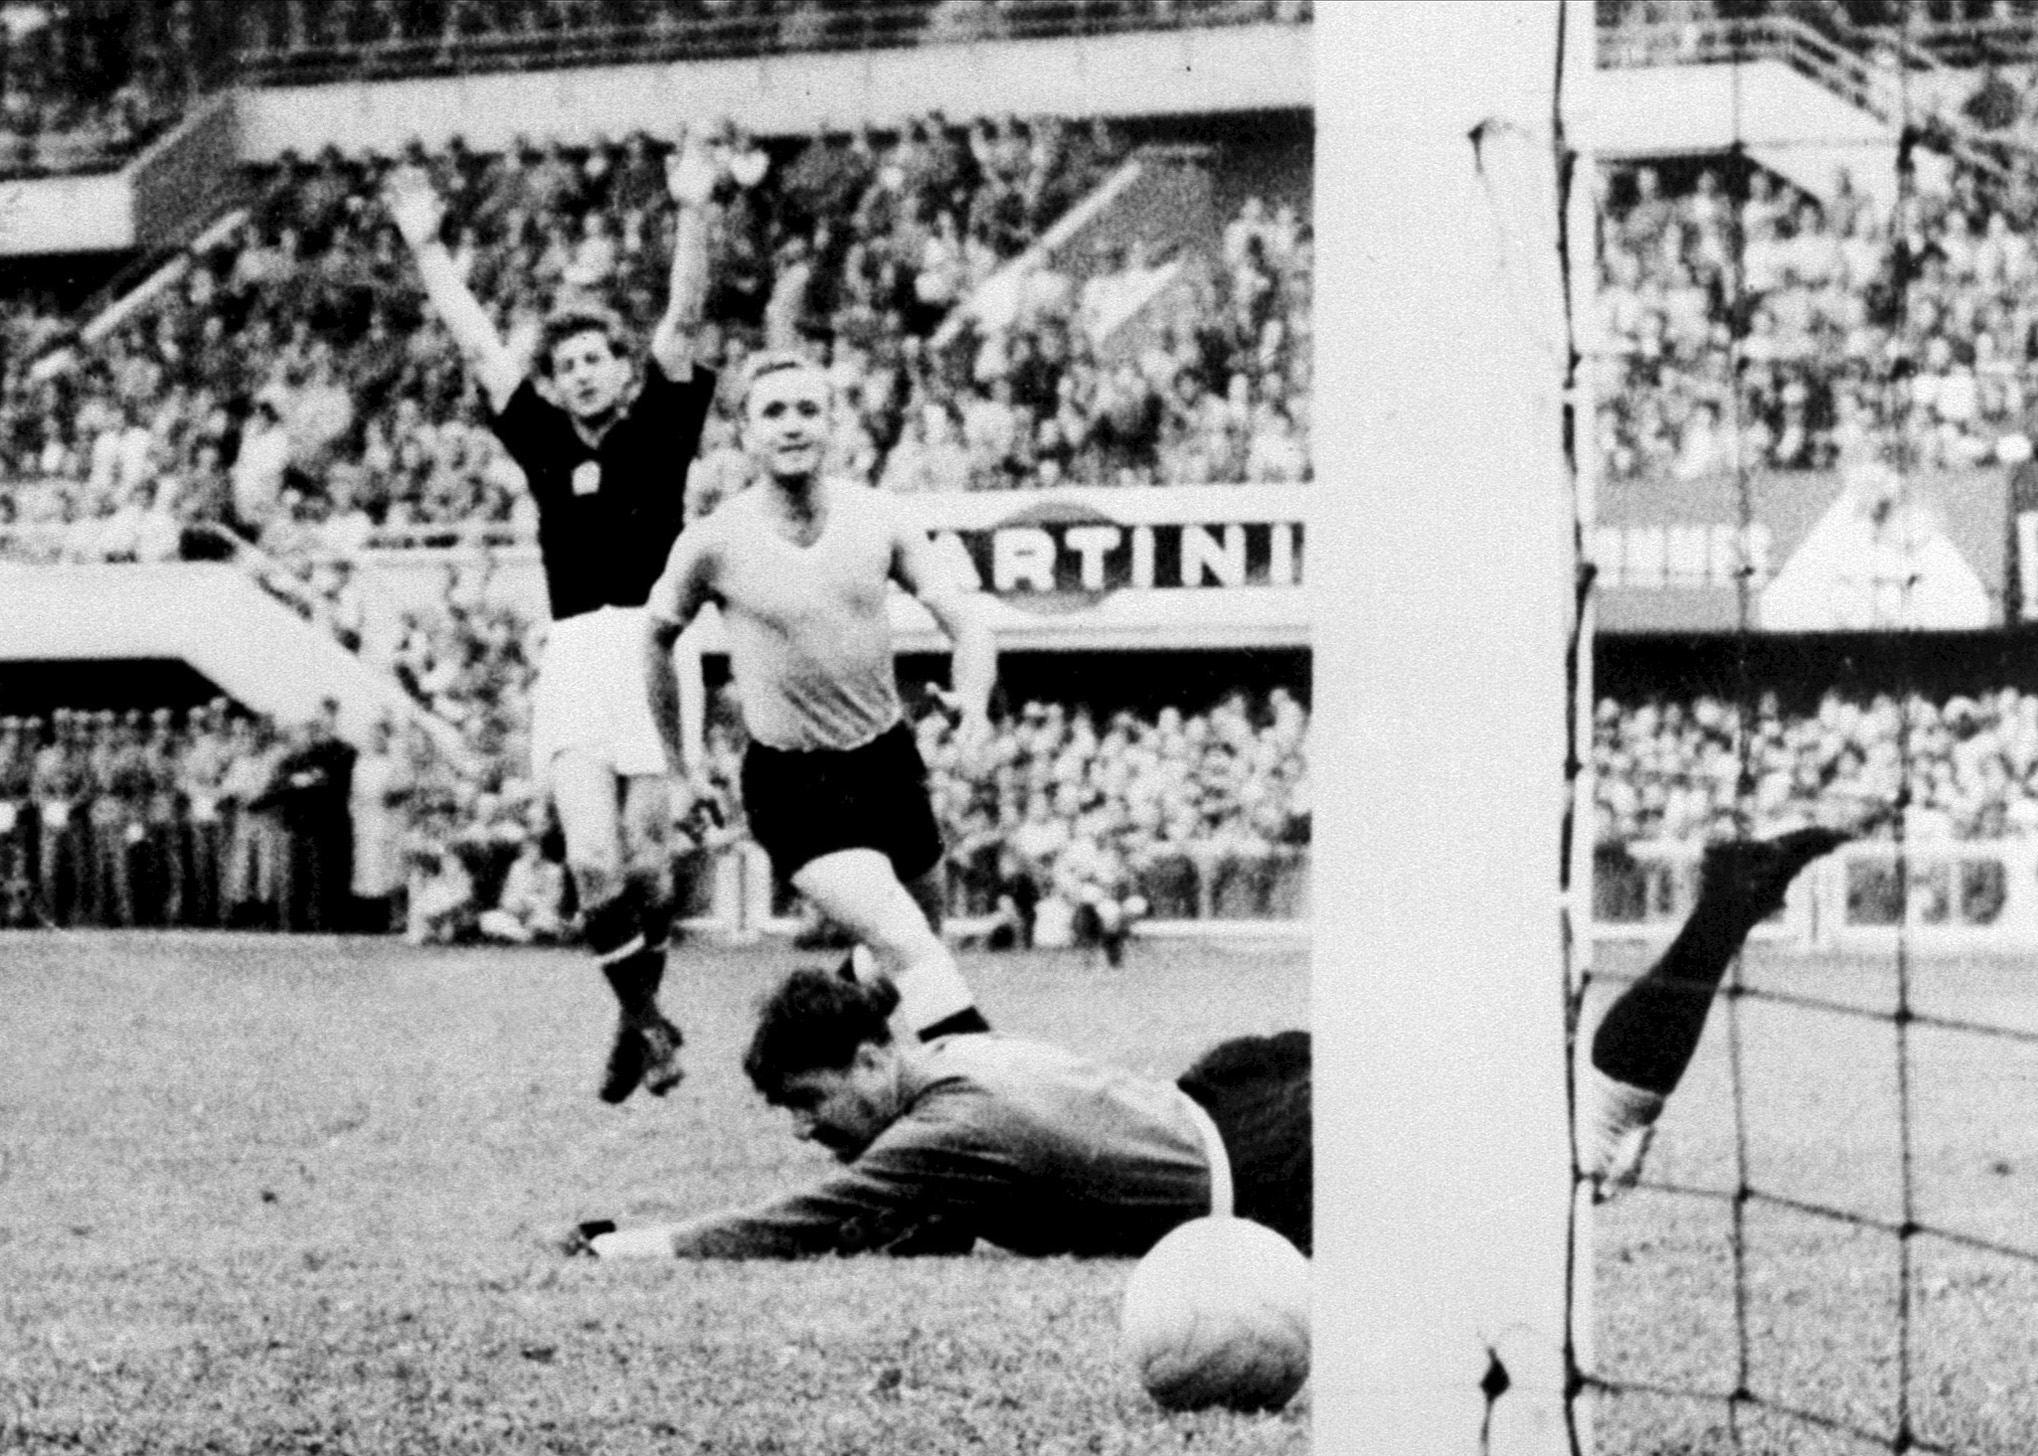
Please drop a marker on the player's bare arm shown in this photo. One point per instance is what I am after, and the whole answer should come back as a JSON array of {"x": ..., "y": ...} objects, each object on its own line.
[
  {"x": 959, "y": 612},
  {"x": 691, "y": 173},
  {"x": 676, "y": 600},
  {"x": 416, "y": 210}
]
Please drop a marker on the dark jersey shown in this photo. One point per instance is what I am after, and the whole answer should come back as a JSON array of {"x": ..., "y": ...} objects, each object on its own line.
[{"x": 609, "y": 513}]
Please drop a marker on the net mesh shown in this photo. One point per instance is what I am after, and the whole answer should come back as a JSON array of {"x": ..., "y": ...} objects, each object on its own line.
[{"x": 1831, "y": 1248}]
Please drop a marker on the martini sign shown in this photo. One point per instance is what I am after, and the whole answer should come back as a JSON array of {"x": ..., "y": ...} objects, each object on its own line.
[{"x": 1071, "y": 550}]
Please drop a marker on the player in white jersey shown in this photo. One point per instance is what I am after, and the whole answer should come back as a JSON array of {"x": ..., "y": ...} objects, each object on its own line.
[{"x": 833, "y": 786}]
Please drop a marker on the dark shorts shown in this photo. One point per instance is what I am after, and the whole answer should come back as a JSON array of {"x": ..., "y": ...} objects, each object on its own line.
[
  {"x": 802, "y": 805},
  {"x": 1256, "y": 1090}
]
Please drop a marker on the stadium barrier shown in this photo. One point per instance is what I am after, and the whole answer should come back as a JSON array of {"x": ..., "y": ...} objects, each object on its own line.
[
  {"x": 1189, "y": 71},
  {"x": 671, "y": 34},
  {"x": 729, "y": 892},
  {"x": 1938, "y": 894}
]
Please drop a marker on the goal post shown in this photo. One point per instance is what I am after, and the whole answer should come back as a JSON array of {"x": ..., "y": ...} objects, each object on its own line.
[{"x": 1443, "y": 559}]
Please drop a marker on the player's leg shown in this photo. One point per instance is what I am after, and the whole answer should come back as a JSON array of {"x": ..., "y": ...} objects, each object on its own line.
[
  {"x": 647, "y": 871},
  {"x": 929, "y": 893},
  {"x": 586, "y": 795},
  {"x": 1648, "y": 1036},
  {"x": 858, "y": 889}
]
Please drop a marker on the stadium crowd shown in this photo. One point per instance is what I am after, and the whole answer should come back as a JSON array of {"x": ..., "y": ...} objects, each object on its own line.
[
  {"x": 85, "y": 85},
  {"x": 284, "y": 399},
  {"x": 287, "y": 387},
  {"x": 1781, "y": 332},
  {"x": 1068, "y": 825},
  {"x": 1062, "y": 827},
  {"x": 1672, "y": 770}
]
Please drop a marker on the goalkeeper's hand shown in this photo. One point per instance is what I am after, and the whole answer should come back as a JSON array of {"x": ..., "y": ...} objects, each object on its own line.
[{"x": 600, "y": 1239}]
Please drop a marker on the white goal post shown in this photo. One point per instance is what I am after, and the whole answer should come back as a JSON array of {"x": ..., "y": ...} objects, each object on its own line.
[{"x": 1442, "y": 562}]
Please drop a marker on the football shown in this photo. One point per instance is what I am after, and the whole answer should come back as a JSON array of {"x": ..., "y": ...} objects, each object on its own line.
[{"x": 1217, "y": 1314}]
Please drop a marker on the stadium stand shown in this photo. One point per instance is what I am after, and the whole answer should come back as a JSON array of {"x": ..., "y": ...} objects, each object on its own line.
[
  {"x": 271, "y": 395},
  {"x": 288, "y": 389},
  {"x": 1797, "y": 346},
  {"x": 84, "y": 86},
  {"x": 316, "y": 40},
  {"x": 110, "y": 819},
  {"x": 1669, "y": 770},
  {"x": 1829, "y": 367}
]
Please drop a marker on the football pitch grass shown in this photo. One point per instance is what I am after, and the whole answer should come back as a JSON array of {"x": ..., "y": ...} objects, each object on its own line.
[
  {"x": 282, "y": 1195},
  {"x": 1822, "y": 1129}
]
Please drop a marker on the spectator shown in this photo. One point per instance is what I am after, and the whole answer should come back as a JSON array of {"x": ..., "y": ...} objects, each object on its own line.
[
  {"x": 255, "y": 883},
  {"x": 258, "y": 468},
  {"x": 380, "y": 790},
  {"x": 201, "y": 775},
  {"x": 440, "y": 895},
  {"x": 532, "y": 903}
]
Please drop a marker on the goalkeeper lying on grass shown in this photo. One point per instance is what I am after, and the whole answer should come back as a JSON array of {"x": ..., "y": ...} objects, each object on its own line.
[
  {"x": 980, "y": 1136},
  {"x": 1040, "y": 1151}
]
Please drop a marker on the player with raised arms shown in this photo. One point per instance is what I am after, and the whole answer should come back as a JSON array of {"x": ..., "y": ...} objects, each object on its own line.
[
  {"x": 833, "y": 784},
  {"x": 607, "y": 466}
]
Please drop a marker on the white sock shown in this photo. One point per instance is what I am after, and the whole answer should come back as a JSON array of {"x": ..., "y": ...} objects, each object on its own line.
[
  {"x": 931, "y": 990},
  {"x": 1610, "y": 1113}
]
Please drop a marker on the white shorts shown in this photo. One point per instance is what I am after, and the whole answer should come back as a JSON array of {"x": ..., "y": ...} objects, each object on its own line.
[{"x": 591, "y": 696}]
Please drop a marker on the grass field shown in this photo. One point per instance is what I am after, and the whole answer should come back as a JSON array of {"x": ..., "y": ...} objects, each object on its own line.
[
  {"x": 1822, "y": 1129},
  {"x": 270, "y": 1195}
]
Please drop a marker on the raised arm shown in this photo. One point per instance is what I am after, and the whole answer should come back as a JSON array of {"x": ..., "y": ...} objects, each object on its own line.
[
  {"x": 677, "y": 695},
  {"x": 690, "y": 176},
  {"x": 417, "y": 212},
  {"x": 959, "y": 611}
]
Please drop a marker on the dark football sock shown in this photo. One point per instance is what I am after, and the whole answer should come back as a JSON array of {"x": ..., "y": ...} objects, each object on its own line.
[
  {"x": 654, "y": 922},
  {"x": 967, "y": 1020},
  {"x": 615, "y": 936},
  {"x": 1649, "y": 1035}
]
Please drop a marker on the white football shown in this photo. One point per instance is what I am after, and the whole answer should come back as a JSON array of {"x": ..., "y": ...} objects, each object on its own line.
[{"x": 1217, "y": 1314}]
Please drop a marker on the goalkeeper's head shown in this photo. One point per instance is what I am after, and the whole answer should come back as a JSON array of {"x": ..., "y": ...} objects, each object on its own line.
[{"x": 823, "y": 1050}]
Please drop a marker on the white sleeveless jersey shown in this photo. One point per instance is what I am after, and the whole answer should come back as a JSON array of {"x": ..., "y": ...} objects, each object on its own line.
[{"x": 810, "y": 640}]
